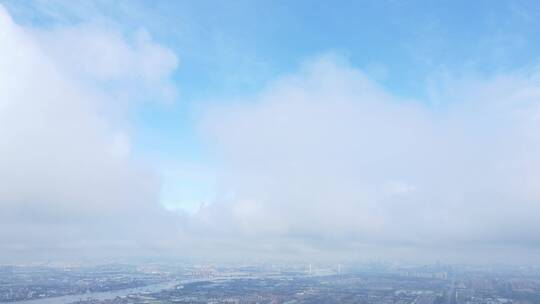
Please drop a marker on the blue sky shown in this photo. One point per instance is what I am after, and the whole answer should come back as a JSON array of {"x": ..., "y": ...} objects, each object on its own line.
[
  {"x": 229, "y": 49},
  {"x": 401, "y": 42},
  {"x": 245, "y": 59}
]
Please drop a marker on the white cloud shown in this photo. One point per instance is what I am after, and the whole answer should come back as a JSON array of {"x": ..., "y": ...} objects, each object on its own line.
[
  {"x": 105, "y": 58},
  {"x": 67, "y": 179},
  {"x": 327, "y": 159}
]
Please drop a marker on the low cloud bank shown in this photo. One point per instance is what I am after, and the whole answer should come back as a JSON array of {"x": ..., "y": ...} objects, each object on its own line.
[{"x": 327, "y": 161}]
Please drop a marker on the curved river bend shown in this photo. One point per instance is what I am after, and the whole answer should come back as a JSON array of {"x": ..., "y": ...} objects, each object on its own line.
[{"x": 103, "y": 295}]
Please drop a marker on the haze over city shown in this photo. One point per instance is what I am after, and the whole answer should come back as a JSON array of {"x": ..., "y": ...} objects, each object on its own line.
[{"x": 320, "y": 131}]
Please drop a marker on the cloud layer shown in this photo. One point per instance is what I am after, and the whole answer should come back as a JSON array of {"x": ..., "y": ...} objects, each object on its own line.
[{"x": 322, "y": 163}]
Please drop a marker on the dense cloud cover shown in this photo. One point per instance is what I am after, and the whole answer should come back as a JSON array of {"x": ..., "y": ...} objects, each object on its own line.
[{"x": 322, "y": 163}]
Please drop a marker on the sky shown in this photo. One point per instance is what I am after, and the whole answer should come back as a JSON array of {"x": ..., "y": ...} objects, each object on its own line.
[{"x": 270, "y": 130}]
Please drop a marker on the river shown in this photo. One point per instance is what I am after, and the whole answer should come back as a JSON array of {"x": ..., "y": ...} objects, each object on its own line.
[{"x": 103, "y": 295}]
